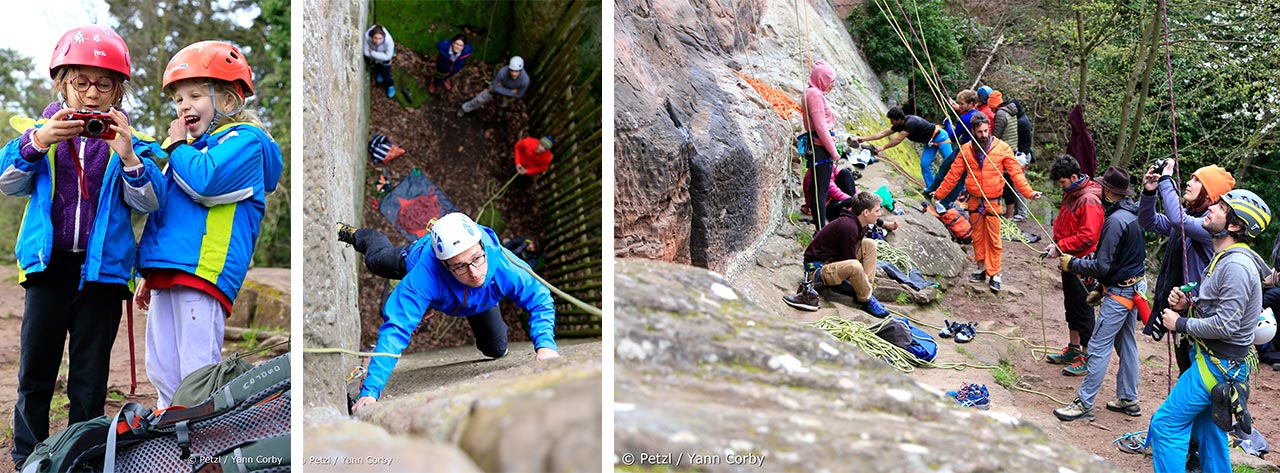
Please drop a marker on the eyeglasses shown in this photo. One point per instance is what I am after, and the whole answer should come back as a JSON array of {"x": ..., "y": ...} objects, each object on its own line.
[
  {"x": 82, "y": 84},
  {"x": 463, "y": 268}
]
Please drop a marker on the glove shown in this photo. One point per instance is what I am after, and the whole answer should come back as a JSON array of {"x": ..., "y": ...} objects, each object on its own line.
[{"x": 1064, "y": 263}]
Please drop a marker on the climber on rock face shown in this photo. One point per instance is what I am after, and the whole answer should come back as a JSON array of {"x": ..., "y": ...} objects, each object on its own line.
[{"x": 470, "y": 274}]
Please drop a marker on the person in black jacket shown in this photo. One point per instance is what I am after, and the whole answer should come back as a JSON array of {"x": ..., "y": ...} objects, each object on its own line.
[{"x": 1119, "y": 266}]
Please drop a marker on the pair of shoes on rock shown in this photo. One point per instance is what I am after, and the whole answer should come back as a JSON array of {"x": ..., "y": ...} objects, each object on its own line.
[
  {"x": 964, "y": 332},
  {"x": 1079, "y": 367},
  {"x": 1125, "y": 406},
  {"x": 1133, "y": 442},
  {"x": 972, "y": 395},
  {"x": 1073, "y": 411},
  {"x": 1067, "y": 356}
]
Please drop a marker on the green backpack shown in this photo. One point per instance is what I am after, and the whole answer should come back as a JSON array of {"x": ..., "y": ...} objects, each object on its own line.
[{"x": 243, "y": 426}]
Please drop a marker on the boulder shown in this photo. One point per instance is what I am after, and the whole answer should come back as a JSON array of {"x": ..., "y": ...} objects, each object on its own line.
[
  {"x": 263, "y": 300},
  {"x": 707, "y": 374}
]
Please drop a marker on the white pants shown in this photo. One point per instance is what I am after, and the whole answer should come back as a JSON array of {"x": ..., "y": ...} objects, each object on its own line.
[
  {"x": 184, "y": 333},
  {"x": 480, "y": 99}
]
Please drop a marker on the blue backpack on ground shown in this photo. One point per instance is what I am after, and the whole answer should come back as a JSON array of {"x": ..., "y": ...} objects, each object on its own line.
[{"x": 923, "y": 346}]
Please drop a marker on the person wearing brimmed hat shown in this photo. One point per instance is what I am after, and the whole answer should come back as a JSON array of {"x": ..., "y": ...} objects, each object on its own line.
[
  {"x": 1221, "y": 328},
  {"x": 533, "y": 155},
  {"x": 1187, "y": 253},
  {"x": 459, "y": 269},
  {"x": 1118, "y": 264},
  {"x": 511, "y": 82}
]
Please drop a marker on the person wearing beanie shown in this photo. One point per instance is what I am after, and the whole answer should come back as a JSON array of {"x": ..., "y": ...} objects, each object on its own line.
[
  {"x": 984, "y": 105},
  {"x": 533, "y": 155},
  {"x": 1205, "y": 187}
]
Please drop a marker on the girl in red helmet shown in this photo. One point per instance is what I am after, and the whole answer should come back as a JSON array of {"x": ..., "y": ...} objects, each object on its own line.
[
  {"x": 196, "y": 249},
  {"x": 84, "y": 171}
]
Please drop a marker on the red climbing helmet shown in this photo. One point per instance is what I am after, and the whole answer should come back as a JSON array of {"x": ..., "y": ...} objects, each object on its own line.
[
  {"x": 91, "y": 45},
  {"x": 211, "y": 60}
]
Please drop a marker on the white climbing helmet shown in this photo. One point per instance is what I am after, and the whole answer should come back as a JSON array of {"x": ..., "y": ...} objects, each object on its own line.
[
  {"x": 517, "y": 63},
  {"x": 453, "y": 234},
  {"x": 1266, "y": 330}
]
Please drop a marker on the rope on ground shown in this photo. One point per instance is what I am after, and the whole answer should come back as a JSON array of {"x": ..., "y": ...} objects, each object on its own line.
[
  {"x": 347, "y": 352},
  {"x": 895, "y": 255},
  {"x": 864, "y": 336}
]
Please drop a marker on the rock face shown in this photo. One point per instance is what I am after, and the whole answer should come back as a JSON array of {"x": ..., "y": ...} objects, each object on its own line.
[
  {"x": 700, "y": 157},
  {"x": 712, "y": 378},
  {"x": 337, "y": 103},
  {"x": 343, "y": 445},
  {"x": 263, "y": 300}
]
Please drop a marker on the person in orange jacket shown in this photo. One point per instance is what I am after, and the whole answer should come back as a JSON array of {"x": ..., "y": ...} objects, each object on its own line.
[
  {"x": 533, "y": 155},
  {"x": 983, "y": 163}
]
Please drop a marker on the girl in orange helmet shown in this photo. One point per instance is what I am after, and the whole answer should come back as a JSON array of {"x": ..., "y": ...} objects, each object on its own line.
[
  {"x": 196, "y": 249},
  {"x": 84, "y": 171}
]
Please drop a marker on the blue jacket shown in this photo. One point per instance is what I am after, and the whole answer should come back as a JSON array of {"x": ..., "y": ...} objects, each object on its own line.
[
  {"x": 110, "y": 254},
  {"x": 218, "y": 186},
  {"x": 430, "y": 285},
  {"x": 443, "y": 64}
]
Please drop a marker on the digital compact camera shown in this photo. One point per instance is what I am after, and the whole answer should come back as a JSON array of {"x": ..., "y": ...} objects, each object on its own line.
[{"x": 96, "y": 124}]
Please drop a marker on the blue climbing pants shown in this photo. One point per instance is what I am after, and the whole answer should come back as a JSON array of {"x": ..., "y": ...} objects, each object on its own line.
[
  {"x": 1185, "y": 413},
  {"x": 943, "y": 145}
]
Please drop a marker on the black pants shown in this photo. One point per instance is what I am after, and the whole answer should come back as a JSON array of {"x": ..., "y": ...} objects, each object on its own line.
[
  {"x": 387, "y": 261},
  {"x": 383, "y": 71},
  {"x": 54, "y": 308},
  {"x": 821, "y": 177},
  {"x": 440, "y": 76},
  {"x": 1079, "y": 314}
]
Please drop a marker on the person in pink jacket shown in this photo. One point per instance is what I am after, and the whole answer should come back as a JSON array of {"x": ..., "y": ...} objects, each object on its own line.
[{"x": 818, "y": 123}]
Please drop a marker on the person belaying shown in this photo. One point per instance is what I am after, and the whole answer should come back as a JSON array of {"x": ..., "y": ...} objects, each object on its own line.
[
  {"x": 983, "y": 162},
  {"x": 511, "y": 82},
  {"x": 1075, "y": 232},
  {"x": 533, "y": 155},
  {"x": 932, "y": 138},
  {"x": 841, "y": 256},
  {"x": 1118, "y": 264},
  {"x": 466, "y": 275},
  {"x": 379, "y": 48},
  {"x": 1221, "y": 327},
  {"x": 451, "y": 58},
  {"x": 819, "y": 123}
]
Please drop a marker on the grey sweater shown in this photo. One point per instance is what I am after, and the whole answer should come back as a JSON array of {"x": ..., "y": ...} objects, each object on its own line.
[
  {"x": 1226, "y": 312},
  {"x": 505, "y": 85}
]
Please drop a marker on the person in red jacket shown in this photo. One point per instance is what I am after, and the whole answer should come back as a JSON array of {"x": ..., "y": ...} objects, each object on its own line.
[
  {"x": 983, "y": 163},
  {"x": 533, "y": 155},
  {"x": 1075, "y": 232}
]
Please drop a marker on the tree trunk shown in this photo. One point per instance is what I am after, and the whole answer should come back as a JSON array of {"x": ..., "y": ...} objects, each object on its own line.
[
  {"x": 1083, "y": 53},
  {"x": 1128, "y": 140}
]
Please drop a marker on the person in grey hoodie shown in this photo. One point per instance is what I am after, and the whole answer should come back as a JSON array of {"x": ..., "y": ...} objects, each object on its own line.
[
  {"x": 378, "y": 51},
  {"x": 1220, "y": 324},
  {"x": 511, "y": 82}
]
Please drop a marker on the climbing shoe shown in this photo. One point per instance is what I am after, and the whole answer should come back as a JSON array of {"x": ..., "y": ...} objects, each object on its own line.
[
  {"x": 874, "y": 307},
  {"x": 995, "y": 283},
  {"x": 972, "y": 395},
  {"x": 391, "y": 92},
  {"x": 1078, "y": 368},
  {"x": 346, "y": 234},
  {"x": 805, "y": 298},
  {"x": 1068, "y": 355},
  {"x": 949, "y": 330},
  {"x": 1073, "y": 411},
  {"x": 1132, "y": 442},
  {"x": 978, "y": 276},
  {"x": 1125, "y": 406},
  {"x": 966, "y": 332}
]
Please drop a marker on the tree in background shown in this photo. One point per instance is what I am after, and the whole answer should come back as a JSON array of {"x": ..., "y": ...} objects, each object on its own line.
[{"x": 942, "y": 33}]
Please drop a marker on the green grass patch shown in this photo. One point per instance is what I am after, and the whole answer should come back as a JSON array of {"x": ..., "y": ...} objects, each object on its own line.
[
  {"x": 1243, "y": 469},
  {"x": 804, "y": 238},
  {"x": 420, "y": 24},
  {"x": 1005, "y": 376},
  {"x": 59, "y": 406},
  {"x": 903, "y": 298},
  {"x": 115, "y": 395},
  {"x": 416, "y": 89}
]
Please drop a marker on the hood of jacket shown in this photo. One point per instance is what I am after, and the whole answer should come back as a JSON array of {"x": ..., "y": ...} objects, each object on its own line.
[{"x": 822, "y": 75}]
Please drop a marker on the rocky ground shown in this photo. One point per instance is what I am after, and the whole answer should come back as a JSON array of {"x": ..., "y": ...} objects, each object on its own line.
[
  {"x": 455, "y": 410},
  {"x": 1030, "y": 307},
  {"x": 12, "y": 301}
]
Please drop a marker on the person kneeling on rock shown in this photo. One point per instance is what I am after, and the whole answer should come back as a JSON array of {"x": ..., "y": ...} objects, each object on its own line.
[
  {"x": 470, "y": 275},
  {"x": 841, "y": 256}
]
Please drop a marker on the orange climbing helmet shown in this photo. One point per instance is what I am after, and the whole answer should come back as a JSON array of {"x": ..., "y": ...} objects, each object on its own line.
[
  {"x": 91, "y": 45},
  {"x": 211, "y": 60}
]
